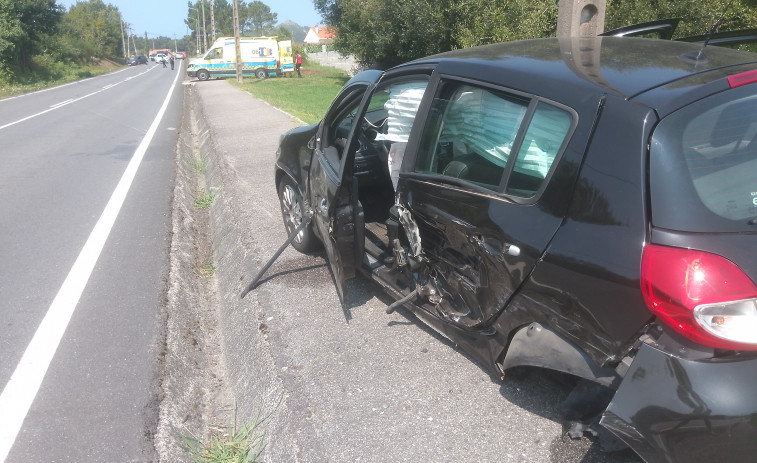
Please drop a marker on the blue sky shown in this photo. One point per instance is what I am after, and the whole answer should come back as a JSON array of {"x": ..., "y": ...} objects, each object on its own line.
[{"x": 166, "y": 17}]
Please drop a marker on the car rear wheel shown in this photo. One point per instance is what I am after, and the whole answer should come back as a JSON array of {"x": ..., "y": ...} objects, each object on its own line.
[
  {"x": 293, "y": 212},
  {"x": 203, "y": 74},
  {"x": 261, "y": 73}
]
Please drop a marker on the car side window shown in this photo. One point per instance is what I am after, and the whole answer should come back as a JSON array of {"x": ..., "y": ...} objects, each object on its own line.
[
  {"x": 544, "y": 137},
  {"x": 215, "y": 53},
  {"x": 473, "y": 131}
]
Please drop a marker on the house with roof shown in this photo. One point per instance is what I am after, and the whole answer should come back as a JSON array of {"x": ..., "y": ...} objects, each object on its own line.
[{"x": 319, "y": 34}]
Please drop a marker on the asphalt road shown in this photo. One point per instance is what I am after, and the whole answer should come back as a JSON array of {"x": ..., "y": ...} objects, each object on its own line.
[
  {"x": 344, "y": 381},
  {"x": 86, "y": 181}
]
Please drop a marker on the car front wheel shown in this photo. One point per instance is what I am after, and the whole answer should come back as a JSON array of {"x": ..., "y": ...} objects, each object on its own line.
[
  {"x": 293, "y": 212},
  {"x": 203, "y": 74}
]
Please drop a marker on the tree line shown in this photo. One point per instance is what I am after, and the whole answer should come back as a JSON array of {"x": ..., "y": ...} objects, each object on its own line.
[
  {"x": 383, "y": 33},
  {"x": 38, "y": 37},
  {"x": 41, "y": 40}
]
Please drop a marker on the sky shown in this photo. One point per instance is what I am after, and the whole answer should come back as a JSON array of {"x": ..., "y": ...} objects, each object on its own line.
[{"x": 166, "y": 17}]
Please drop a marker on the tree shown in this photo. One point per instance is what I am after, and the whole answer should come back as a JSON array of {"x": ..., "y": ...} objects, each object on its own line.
[
  {"x": 698, "y": 16},
  {"x": 94, "y": 28},
  {"x": 386, "y": 32},
  {"x": 260, "y": 20},
  {"x": 24, "y": 28}
]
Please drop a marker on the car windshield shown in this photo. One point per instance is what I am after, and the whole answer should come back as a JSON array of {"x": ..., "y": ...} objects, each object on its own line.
[{"x": 703, "y": 165}]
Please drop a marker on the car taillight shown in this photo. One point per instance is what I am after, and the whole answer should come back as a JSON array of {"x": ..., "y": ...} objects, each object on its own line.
[{"x": 703, "y": 296}]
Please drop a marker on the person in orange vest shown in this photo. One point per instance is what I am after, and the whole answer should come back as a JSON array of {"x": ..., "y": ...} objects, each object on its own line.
[{"x": 298, "y": 63}]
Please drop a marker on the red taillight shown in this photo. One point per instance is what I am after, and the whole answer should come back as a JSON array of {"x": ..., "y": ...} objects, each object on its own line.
[
  {"x": 744, "y": 78},
  {"x": 703, "y": 296}
]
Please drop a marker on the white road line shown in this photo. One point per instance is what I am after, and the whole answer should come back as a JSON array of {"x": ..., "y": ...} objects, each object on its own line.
[
  {"x": 19, "y": 393},
  {"x": 64, "y": 103}
]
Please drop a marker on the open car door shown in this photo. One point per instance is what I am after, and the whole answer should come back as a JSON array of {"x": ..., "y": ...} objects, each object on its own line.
[{"x": 337, "y": 214}]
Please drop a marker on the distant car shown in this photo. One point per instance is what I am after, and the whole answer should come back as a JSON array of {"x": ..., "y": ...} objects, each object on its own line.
[
  {"x": 586, "y": 205},
  {"x": 135, "y": 60},
  {"x": 181, "y": 54},
  {"x": 159, "y": 57}
]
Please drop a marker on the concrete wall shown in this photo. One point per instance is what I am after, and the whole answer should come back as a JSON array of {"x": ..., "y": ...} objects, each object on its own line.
[{"x": 336, "y": 60}]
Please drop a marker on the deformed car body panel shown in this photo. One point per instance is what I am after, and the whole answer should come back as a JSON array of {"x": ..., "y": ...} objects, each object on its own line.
[{"x": 673, "y": 409}]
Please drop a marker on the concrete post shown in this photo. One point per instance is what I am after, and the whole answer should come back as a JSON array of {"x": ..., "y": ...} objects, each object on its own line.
[{"x": 580, "y": 18}]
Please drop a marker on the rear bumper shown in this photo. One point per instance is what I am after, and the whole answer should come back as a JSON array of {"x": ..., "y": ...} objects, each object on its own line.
[{"x": 670, "y": 409}]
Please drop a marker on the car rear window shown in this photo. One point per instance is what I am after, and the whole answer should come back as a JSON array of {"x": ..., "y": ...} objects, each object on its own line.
[{"x": 703, "y": 165}]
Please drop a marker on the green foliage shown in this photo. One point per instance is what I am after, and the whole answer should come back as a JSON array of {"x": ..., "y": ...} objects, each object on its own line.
[
  {"x": 24, "y": 28},
  {"x": 260, "y": 19},
  {"x": 255, "y": 19},
  {"x": 95, "y": 27},
  {"x": 386, "y": 32},
  {"x": 698, "y": 16}
]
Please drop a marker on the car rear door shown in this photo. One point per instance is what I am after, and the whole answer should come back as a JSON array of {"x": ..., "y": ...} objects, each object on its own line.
[{"x": 477, "y": 189}]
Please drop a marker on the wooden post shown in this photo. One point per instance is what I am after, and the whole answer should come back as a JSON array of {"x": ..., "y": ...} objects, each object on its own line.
[
  {"x": 237, "y": 43},
  {"x": 580, "y": 18}
]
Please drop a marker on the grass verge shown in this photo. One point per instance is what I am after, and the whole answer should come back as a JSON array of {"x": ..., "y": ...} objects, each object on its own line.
[
  {"x": 51, "y": 74},
  {"x": 307, "y": 98},
  {"x": 229, "y": 444}
]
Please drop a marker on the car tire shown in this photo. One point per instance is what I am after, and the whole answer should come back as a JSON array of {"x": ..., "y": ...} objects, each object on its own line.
[
  {"x": 261, "y": 73},
  {"x": 203, "y": 74},
  {"x": 293, "y": 212}
]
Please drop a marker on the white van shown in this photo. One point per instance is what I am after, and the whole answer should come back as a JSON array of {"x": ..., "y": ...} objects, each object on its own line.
[{"x": 260, "y": 57}]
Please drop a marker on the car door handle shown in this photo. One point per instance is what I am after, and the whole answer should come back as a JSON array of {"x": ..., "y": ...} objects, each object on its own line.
[
  {"x": 507, "y": 248},
  {"x": 512, "y": 249}
]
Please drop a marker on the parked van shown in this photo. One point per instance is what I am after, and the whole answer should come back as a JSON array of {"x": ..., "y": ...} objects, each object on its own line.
[
  {"x": 286, "y": 60},
  {"x": 260, "y": 57}
]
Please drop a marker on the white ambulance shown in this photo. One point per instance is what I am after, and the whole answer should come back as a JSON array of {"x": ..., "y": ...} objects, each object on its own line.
[{"x": 260, "y": 58}]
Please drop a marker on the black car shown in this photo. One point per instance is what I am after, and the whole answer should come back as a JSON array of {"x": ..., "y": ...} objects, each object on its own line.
[
  {"x": 584, "y": 205},
  {"x": 135, "y": 60}
]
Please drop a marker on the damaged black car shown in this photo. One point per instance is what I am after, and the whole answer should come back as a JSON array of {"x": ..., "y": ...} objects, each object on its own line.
[{"x": 583, "y": 205}]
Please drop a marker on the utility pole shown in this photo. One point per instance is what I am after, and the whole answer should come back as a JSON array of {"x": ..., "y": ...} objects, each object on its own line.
[
  {"x": 123, "y": 39},
  {"x": 212, "y": 23},
  {"x": 237, "y": 44},
  {"x": 580, "y": 18},
  {"x": 204, "y": 31},
  {"x": 197, "y": 28}
]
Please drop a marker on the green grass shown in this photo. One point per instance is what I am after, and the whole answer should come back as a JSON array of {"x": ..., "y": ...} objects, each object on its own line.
[
  {"x": 198, "y": 164},
  {"x": 307, "y": 98},
  {"x": 205, "y": 269},
  {"x": 205, "y": 198},
  {"x": 230, "y": 444},
  {"x": 48, "y": 73}
]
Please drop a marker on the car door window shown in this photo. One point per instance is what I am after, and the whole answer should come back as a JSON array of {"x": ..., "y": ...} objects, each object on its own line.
[
  {"x": 544, "y": 138},
  {"x": 473, "y": 131}
]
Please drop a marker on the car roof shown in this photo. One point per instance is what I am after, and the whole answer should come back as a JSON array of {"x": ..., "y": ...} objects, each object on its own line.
[{"x": 629, "y": 67}]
